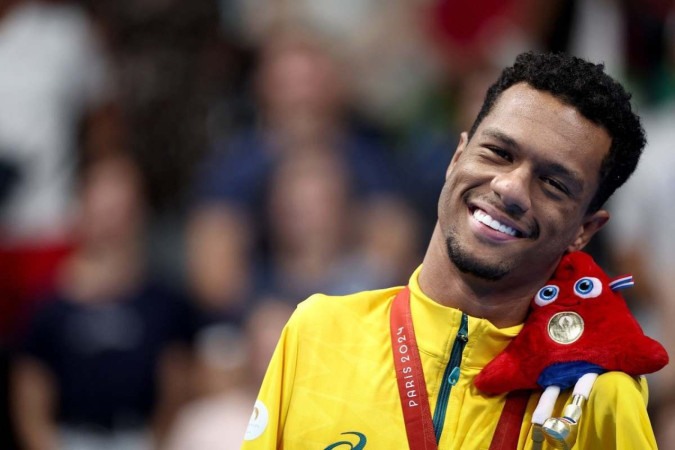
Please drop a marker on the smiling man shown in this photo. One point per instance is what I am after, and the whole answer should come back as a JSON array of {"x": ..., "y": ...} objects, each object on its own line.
[
  {"x": 517, "y": 195},
  {"x": 394, "y": 368}
]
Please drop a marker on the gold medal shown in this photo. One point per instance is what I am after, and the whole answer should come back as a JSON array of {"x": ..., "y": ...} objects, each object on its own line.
[{"x": 565, "y": 327}]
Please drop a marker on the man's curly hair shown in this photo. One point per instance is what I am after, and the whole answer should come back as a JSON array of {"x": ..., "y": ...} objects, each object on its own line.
[{"x": 599, "y": 98}]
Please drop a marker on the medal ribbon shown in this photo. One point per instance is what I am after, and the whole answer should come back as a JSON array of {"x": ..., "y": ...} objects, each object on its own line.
[
  {"x": 410, "y": 376},
  {"x": 412, "y": 388}
]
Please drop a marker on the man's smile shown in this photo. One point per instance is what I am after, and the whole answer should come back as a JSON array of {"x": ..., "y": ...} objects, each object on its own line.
[
  {"x": 499, "y": 225},
  {"x": 486, "y": 219}
]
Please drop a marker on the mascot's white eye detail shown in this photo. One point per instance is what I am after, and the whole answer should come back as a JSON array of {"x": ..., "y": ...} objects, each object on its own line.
[
  {"x": 546, "y": 295},
  {"x": 588, "y": 287}
]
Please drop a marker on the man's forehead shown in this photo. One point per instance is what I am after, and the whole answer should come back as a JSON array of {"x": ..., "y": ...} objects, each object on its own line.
[
  {"x": 545, "y": 108},
  {"x": 561, "y": 139}
]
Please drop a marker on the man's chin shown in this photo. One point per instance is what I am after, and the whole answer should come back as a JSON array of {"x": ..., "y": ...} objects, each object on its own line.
[{"x": 472, "y": 265}]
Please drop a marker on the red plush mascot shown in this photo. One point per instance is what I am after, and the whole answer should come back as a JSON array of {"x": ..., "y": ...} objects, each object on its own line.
[{"x": 578, "y": 327}]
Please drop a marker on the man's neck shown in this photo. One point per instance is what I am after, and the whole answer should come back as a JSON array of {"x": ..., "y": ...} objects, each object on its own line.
[{"x": 496, "y": 301}]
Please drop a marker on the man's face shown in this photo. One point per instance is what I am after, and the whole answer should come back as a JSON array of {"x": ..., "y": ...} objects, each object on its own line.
[{"x": 516, "y": 195}]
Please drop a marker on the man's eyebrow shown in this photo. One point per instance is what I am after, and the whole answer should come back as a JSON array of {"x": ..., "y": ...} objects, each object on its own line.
[
  {"x": 500, "y": 136},
  {"x": 573, "y": 178}
]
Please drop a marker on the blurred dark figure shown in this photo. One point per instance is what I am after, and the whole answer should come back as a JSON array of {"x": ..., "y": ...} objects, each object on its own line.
[
  {"x": 181, "y": 82},
  {"x": 302, "y": 103},
  {"x": 231, "y": 366},
  {"x": 57, "y": 105},
  {"x": 643, "y": 239},
  {"x": 104, "y": 364},
  {"x": 323, "y": 239}
]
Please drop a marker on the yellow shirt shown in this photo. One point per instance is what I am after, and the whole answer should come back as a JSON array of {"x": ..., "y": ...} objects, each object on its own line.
[{"x": 331, "y": 383}]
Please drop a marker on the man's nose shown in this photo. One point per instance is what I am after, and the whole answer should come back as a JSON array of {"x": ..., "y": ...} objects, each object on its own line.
[{"x": 513, "y": 188}]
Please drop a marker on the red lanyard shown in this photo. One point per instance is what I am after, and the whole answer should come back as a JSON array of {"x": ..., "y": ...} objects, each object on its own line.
[
  {"x": 413, "y": 390},
  {"x": 410, "y": 376}
]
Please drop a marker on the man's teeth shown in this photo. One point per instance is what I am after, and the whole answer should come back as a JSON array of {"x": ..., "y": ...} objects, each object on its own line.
[{"x": 484, "y": 218}]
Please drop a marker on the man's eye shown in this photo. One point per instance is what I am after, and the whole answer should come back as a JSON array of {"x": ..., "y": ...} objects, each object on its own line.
[
  {"x": 501, "y": 153},
  {"x": 556, "y": 185}
]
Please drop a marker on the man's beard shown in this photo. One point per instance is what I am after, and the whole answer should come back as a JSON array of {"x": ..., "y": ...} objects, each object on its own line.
[{"x": 467, "y": 263}]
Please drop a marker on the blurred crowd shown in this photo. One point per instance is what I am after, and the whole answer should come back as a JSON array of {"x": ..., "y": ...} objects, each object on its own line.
[{"x": 175, "y": 176}]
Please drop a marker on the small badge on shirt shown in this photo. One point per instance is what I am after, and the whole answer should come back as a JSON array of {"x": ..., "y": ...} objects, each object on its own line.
[{"x": 258, "y": 422}]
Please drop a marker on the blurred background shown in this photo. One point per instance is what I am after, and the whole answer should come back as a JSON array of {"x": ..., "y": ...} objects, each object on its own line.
[{"x": 175, "y": 176}]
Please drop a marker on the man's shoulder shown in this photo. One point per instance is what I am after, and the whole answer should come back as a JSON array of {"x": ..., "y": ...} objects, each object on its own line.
[
  {"x": 363, "y": 300},
  {"x": 613, "y": 385},
  {"x": 616, "y": 414},
  {"x": 321, "y": 309}
]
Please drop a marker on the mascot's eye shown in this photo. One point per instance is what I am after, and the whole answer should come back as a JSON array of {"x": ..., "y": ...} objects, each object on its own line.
[
  {"x": 588, "y": 287},
  {"x": 546, "y": 295}
]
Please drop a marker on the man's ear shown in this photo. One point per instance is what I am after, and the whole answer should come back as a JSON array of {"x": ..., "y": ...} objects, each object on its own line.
[
  {"x": 591, "y": 225},
  {"x": 461, "y": 145}
]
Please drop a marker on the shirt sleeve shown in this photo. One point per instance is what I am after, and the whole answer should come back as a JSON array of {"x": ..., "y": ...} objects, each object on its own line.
[
  {"x": 616, "y": 415},
  {"x": 265, "y": 428}
]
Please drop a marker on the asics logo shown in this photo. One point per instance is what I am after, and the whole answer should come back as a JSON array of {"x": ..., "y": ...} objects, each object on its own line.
[{"x": 347, "y": 445}]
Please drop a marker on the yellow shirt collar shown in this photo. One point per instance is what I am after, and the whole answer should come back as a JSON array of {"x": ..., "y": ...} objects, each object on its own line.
[{"x": 436, "y": 327}]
